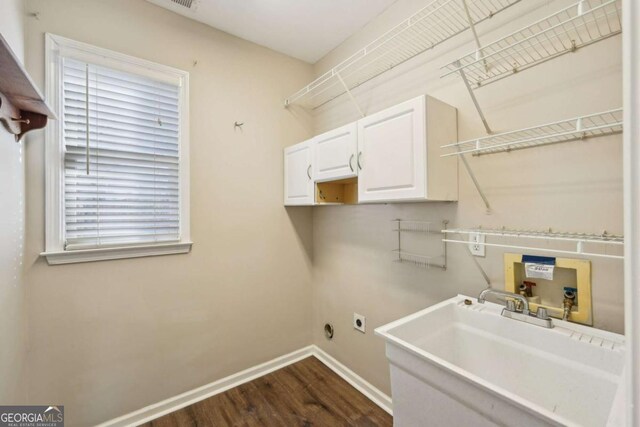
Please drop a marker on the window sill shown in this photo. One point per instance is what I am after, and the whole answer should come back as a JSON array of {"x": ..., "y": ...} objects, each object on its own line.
[{"x": 104, "y": 254}]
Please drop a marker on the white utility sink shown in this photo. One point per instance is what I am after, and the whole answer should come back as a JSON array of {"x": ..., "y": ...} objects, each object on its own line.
[{"x": 465, "y": 365}]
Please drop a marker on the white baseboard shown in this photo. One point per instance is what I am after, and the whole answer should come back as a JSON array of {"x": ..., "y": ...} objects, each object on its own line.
[
  {"x": 172, "y": 404},
  {"x": 180, "y": 401},
  {"x": 364, "y": 387}
]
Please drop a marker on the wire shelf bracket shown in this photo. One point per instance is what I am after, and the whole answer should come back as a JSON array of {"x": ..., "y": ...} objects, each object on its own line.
[
  {"x": 580, "y": 240},
  {"x": 437, "y": 22},
  {"x": 353, "y": 99},
  {"x": 578, "y": 128},
  {"x": 581, "y": 24},
  {"x": 476, "y": 184},
  {"x": 484, "y": 274},
  {"x": 480, "y": 55}
]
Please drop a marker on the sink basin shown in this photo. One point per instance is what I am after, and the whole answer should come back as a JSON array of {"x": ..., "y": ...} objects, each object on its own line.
[{"x": 459, "y": 364}]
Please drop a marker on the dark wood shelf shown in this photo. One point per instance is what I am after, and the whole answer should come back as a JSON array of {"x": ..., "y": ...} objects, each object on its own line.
[{"x": 22, "y": 106}]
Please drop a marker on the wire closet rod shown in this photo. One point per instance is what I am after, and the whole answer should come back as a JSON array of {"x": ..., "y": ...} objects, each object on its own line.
[
  {"x": 604, "y": 238},
  {"x": 538, "y": 249},
  {"x": 580, "y": 239}
]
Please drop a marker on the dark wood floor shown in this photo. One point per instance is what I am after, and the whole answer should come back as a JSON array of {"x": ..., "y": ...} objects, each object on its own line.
[{"x": 306, "y": 393}]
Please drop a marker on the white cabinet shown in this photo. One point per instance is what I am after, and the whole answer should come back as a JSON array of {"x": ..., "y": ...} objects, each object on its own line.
[
  {"x": 390, "y": 156},
  {"x": 398, "y": 153},
  {"x": 335, "y": 154},
  {"x": 298, "y": 174}
]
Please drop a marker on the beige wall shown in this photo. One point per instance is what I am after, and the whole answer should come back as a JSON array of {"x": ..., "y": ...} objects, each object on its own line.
[
  {"x": 111, "y": 337},
  {"x": 13, "y": 318},
  {"x": 573, "y": 187}
]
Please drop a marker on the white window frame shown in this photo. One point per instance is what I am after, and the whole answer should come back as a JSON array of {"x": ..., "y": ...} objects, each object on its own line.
[{"x": 57, "y": 47}]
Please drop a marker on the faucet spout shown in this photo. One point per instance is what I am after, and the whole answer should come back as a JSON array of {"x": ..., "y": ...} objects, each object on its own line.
[
  {"x": 511, "y": 311},
  {"x": 504, "y": 294}
]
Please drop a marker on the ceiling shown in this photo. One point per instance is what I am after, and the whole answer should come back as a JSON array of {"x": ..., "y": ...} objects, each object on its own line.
[{"x": 304, "y": 29}]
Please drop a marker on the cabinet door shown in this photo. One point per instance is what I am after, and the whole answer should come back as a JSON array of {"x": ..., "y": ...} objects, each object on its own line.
[
  {"x": 335, "y": 153},
  {"x": 298, "y": 178},
  {"x": 392, "y": 154}
]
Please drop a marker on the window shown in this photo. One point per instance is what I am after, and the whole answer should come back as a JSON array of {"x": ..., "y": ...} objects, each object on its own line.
[{"x": 117, "y": 157}]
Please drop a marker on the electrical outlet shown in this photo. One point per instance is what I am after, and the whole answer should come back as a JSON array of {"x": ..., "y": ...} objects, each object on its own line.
[
  {"x": 476, "y": 244},
  {"x": 359, "y": 322}
]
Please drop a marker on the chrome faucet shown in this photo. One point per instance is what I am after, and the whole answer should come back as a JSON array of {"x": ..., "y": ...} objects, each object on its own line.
[
  {"x": 524, "y": 302},
  {"x": 540, "y": 318}
]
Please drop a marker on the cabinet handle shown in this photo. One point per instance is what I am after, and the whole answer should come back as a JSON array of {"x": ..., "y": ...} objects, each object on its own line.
[
  {"x": 351, "y": 162},
  {"x": 309, "y": 171},
  {"x": 359, "y": 164}
]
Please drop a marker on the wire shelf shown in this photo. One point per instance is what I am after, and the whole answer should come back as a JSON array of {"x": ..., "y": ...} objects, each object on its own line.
[
  {"x": 598, "y": 124},
  {"x": 546, "y": 235},
  {"x": 415, "y": 259},
  {"x": 584, "y": 23},
  {"x": 420, "y": 227},
  {"x": 412, "y": 226},
  {"x": 437, "y": 22},
  {"x": 579, "y": 239}
]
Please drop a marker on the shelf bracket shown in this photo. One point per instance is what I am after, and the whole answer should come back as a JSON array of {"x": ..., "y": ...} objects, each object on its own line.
[
  {"x": 346, "y": 88},
  {"x": 19, "y": 122},
  {"x": 473, "y": 98},
  {"x": 472, "y": 26},
  {"x": 479, "y": 53},
  {"x": 475, "y": 261},
  {"x": 581, "y": 8},
  {"x": 475, "y": 181}
]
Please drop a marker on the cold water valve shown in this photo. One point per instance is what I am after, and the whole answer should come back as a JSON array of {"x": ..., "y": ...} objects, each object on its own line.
[{"x": 569, "y": 301}]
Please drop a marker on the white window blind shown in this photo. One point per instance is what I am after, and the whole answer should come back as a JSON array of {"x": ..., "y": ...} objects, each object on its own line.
[{"x": 121, "y": 158}]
